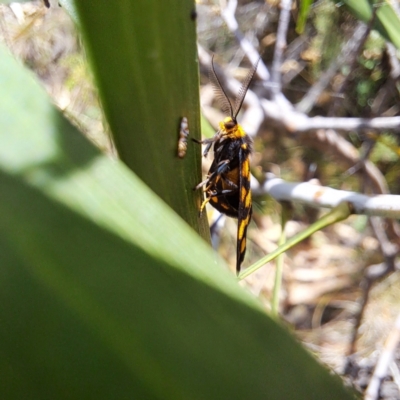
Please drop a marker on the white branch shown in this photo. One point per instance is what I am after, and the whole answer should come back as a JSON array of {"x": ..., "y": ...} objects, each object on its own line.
[
  {"x": 314, "y": 195},
  {"x": 280, "y": 46},
  {"x": 295, "y": 121}
]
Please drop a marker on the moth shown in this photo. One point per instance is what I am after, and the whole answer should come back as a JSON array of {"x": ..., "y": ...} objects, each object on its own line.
[{"x": 227, "y": 185}]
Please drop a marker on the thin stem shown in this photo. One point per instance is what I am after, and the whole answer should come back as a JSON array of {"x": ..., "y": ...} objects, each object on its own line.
[
  {"x": 337, "y": 214},
  {"x": 279, "y": 262}
]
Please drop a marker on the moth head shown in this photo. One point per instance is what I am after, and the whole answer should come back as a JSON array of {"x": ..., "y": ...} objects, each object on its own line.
[{"x": 229, "y": 123}]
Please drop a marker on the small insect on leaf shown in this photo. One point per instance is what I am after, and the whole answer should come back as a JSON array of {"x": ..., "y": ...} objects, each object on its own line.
[
  {"x": 227, "y": 185},
  {"x": 183, "y": 136}
]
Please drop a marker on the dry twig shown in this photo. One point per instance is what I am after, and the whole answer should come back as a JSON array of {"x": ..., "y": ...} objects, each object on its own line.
[
  {"x": 319, "y": 196},
  {"x": 385, "y": 359}
]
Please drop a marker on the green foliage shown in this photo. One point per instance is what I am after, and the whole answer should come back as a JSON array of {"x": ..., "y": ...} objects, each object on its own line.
[
  {"x": 385, "y": 150},
  {"x": 386, "y": 21},
  {"x": 326, "y": 42},
  {"x": 305, "y": 8}
]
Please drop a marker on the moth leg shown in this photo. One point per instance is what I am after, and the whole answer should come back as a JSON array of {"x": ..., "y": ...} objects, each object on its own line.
[
  {"x": 214, "y": 194},
  {"x": 208, "y": 142},
  {"x": 203, "y": 204},
  {"x": 221, "y": 168},
  {"x": 201, "y": 184},
  {"x": 231, "y": 184},
  {"x": 222, "y": 193}
]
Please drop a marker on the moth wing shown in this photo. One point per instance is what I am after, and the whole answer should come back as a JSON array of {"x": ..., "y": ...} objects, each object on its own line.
[{"x": 245, "y": 207}]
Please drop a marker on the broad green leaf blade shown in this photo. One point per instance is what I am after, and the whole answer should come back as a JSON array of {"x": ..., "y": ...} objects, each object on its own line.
[
  {"x": 387, "y": 23},
  {"x": 144, "y": 56},
  {"x": 106, "y": 293}
]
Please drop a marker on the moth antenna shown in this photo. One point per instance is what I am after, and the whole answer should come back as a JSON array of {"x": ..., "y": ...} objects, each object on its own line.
[
  {"x": 243, "y": 90},
  {"x": 219, "y": 91}
]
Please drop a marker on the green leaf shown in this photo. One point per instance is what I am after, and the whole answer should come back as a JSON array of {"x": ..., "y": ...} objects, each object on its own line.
[
  {"x": 147, "y": 72},
  {"x": 387, "y": 23},
  {"x": 106, "y": 293}
]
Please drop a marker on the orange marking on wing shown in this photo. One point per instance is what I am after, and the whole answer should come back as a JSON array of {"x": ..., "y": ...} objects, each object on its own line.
[
  {"x": 242, "y": 226},
  {"x": 243, "y": 194},
  {"x": 247, "y": 202},
  {"x": 243, "y": 246}
]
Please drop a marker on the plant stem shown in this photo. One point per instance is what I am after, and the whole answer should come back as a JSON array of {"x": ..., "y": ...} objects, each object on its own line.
[
  {"x": 286, "y": 211},
  {"x": 339, "y": 213}
]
